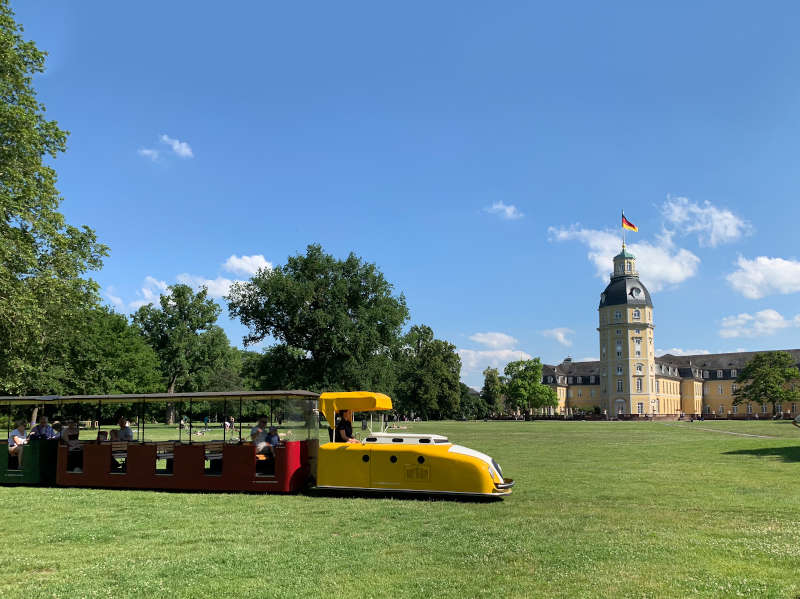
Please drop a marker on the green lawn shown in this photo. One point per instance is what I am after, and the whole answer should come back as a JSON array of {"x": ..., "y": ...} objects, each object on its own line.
[{"x": 600, "y": 510}]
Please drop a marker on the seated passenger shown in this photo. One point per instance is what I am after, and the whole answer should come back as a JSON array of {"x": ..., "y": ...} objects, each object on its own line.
[
  {"x": 17, "y": 439},
  {"x": 43, "y": 430},
  {"x": 258, "y": 435},
  {"x": 124, "y": 433},
  {"x": 272, "y": 437},
  {"x": 70, "y": 435},
  {"x": 344, "y": 428},
  {"x": 56, "y": 430}
]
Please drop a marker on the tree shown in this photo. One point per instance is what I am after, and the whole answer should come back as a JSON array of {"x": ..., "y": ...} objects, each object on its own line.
[
  {"x": 471, "y": 404},
  {"x": 768, "y": 378},
  {"x": 492, "y": 391},
  {"x": 183, "y": 333},
  {"x": 336, "y": 319},
  {"x": 524, "y": 387},
  {"x": 43, "y": 258},
  {"x": 428, "y": 377}
]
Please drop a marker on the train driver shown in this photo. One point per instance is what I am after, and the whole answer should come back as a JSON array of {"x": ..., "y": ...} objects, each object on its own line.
[{"x": 344, "y": 428}]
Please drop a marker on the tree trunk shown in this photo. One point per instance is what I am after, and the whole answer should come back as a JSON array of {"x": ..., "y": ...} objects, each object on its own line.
[{"x": 171, "y": 413}]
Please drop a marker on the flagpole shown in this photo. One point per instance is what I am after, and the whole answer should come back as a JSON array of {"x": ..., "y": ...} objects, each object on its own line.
[{"x": 623, "y": 229}]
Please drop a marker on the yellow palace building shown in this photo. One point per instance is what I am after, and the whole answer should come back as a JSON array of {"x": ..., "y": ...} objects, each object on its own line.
[{"x": 630, "y": 380}]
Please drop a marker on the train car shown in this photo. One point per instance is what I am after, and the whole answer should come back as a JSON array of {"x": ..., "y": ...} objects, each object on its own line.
[
  {"x": 380, "y": 461},
  {"x": 39, "y": 456},
  {"x": 400, "y": 462}
]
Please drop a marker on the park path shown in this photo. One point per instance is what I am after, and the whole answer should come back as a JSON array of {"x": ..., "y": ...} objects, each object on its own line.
[{"x": 714, "y": 430}]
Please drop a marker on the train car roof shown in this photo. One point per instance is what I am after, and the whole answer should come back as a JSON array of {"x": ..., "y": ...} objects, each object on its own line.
[
  {"x": 161, "y": 397},
  {"x": 357, "y": 401}
]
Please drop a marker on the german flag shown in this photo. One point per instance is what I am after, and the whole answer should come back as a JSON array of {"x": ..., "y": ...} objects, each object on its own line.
[{"x": 626, "y": 224}]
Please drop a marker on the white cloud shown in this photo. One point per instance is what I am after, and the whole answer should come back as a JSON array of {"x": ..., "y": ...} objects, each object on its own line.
[
  {"x": 589, "y": 359},
  {"x": 246, "y": 265},
  {"x": 506, "y": 211},
  {"x": 216, "y": 287},
  {"x": 150, "y": 291},
  {"x": 473, "y": 361},
  {"x": 677, "y": 351},
  {"x": 115, "y": 300},
  {"x": 560, "y": 334},
  {"x": 764, "y": 276},
  {"x": 761, "y": 324},
  {"x": 660, "y": 264},
  {"x": 181, "y": 148},
  {"x": 148, "y": 153},
  {"x": 714, "y": 226},
  {"x": 494, "y": 340}
]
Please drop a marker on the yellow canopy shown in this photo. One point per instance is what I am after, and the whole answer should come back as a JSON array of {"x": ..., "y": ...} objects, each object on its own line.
[{"x": 357, "y": 401}]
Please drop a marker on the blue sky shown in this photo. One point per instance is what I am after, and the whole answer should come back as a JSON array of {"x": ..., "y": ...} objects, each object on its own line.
[{"x": 479, "y": 155}]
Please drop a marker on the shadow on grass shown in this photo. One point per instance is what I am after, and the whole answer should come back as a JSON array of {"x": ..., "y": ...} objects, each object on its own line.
[
  {"x": 786, "y": 454},
  {"x": 414, "y": 496}
]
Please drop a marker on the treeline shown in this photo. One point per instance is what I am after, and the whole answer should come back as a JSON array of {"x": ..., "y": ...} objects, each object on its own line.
[{"x": 329, "y": 324}]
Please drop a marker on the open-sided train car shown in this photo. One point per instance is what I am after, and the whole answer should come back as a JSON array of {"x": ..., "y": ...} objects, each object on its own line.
[
  {"x": 39, "y": 463},
  {"x": 381, "y": 461}
]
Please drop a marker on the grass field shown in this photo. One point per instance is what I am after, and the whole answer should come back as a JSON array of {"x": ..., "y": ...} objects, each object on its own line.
[{"x": 600, "y": 510}]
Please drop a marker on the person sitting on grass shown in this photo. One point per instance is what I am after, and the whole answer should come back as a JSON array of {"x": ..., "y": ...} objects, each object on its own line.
[
  {"x": 17, "y": 439},
  {"x": 258, "y": 435},
  {"x": 43, "y": 430},
  {"x": 344, "y": 428}
]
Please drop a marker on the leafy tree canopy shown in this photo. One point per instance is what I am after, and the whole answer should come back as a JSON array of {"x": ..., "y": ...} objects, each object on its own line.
[
  {"x": 183, "y": 333},
  {"x": 336, "y": 322},
  {"x": 768, "y": 378},
  {"x": 524, "y": 387},
  {"x": 429, "y": 375},
  {"x": 43, "y": 258},
  {"x": 492, "y": 391}
]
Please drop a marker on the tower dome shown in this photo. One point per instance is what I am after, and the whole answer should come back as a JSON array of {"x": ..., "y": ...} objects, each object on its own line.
[{"x": 625, "y": 286}]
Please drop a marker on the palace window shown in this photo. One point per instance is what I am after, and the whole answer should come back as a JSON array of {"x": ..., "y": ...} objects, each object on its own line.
[
  {"x": 569, "y": 393},
  {"x": 794, "y": 408},
  {"x": 636, "y": 331},
  {"x": 580, "y": 393},
  {"x": 719, "y": 390},
  {"x": 658, "y": 386},
  {"x": 619, "y": 369},
  {"x": 617, "y": 315},
  {"x": 628, "y": 266},
  {"x": 569, "y": 380},
  {"x": 708, "y": 409},
  {"x": 719, "y": 374},
  {"x": 619, "y": 386},
  {"x": 640, "y": 408},
  {"x": 720, "y": 408},
  {"x": 591, "y": 379},
  {"x": 749, "y": 408},
  {"x": 638, "y": 385},
  {"x": 619, "y": 332},
  {"x": 779, "y": 408},
  {"x": 705, "y": 374},
  {"x": 735, "y": 409},
  {"x": 763, "y": 408},
  {"x": 591, "y": 393},
  {"x": 734, "y": 387},
  {"x": 603, "y": 349},
  {"x": 733, "y": 373},
  {"x": 639, "y": 369},
  {"x": 637, "y": 314}
]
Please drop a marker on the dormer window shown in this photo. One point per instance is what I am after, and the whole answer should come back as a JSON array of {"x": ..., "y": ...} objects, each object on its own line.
[
  {"x": 733, "y": 373},
  {"x": 628, "y": 266},
  {"x": 719, "y": 374}
]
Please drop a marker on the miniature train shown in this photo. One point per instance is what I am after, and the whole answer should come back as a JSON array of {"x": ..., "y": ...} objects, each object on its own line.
[{"x": 382, "y": 461}]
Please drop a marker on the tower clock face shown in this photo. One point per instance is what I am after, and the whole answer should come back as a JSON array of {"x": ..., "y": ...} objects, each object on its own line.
[{"x": 635, "y": 292}]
